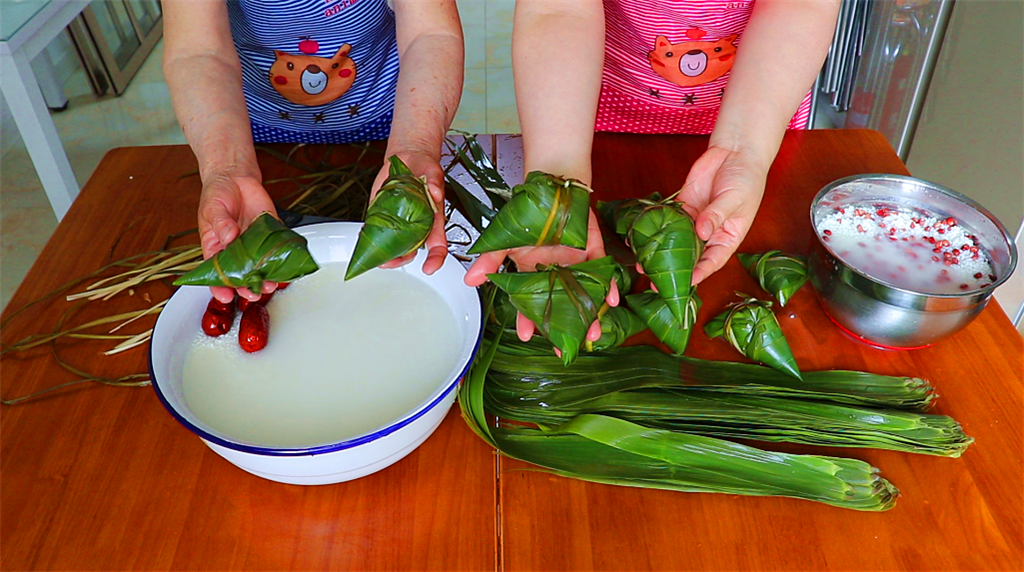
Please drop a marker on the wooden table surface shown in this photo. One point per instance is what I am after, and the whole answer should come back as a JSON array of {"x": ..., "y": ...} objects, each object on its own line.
[{"x": 99, "y": 477}]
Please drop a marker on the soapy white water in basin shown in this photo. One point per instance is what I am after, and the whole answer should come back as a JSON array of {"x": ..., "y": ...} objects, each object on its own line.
[{"x": 343, "y": 359}]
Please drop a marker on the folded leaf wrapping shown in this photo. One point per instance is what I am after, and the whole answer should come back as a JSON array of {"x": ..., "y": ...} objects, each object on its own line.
[
  {"x": 619, "y": 215},
  {"x": 751, "y": 327},
  {"x": 617, "y": 325},
  {"x": 501, "y": 311},
  {"x": 779, "y": 274},
  {"x": 667, "y": 248},
  {"x": 654, "y": 311},
  {"x": 267, "y": 250},
  {"x": 625, "y": 277},
  {"x": 562, "y": 301},
  {"x": 398, "y": 220},
  {"x": 544, "y": 210}
]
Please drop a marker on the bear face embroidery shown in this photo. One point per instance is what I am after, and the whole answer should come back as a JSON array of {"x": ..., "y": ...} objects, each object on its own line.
[
  {"x": 309, "y": 80},
  {"x": 687, "y": 64}
]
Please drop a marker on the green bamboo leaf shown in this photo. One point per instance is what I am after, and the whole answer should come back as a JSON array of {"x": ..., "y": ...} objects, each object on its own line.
[
  {"x": 477, "y": 162},
  {"x": 633, "y": 455},
  {"x": 561, "y": 301},
  {"x": 544, "y": 211},
  {"x": 521, "y": 366},
  {"x": 779, "y": 274},
  {"x": 751, "y": 327},
  {"x": 619, "y": 215},
  {"x": 267, "y": 250},
  {"x": 667, "y": 247},
  {"x": 747, "y": 416},
  {"x": 477, "y": 213},
  {"x": 398, "y": 221},
  {"x": 617, "y": 325},
  {"x": 654, "y": 311},
  {"x": 612, "y": 451},
  {"x": 471, "y": 390}
]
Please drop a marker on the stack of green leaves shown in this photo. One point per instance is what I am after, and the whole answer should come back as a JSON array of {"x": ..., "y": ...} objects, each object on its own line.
[
  {"x": 398, "y": 220},
  {"x": 544, "y": 210},
  {"x": 562, "y": 301},
  {"x": 781, "y": 275},
  {"x": 757, "y": 417},
  {"x": 529, "y": 372},
  {"x": 267, "y": 250},
  {"x": 751, "y": 327},
  {"x": 610, "y": 450}
]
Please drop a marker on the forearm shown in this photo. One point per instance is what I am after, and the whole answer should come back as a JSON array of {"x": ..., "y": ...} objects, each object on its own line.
[
  {"x": 205, "y": 82},
  {"x": 780, "y": 55},
  {"x": 430, "y": 55},
  {"x": 557, "y": 58},
  {"x": 428, "y": 93}
]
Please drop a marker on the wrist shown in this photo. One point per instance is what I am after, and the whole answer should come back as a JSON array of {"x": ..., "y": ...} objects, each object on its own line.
[
  {"x": 415, "y": 147},
  {"x": 228, "y": 170},
  {"x": 227, "y": 159},
  {"x": 754, "y": 152}
]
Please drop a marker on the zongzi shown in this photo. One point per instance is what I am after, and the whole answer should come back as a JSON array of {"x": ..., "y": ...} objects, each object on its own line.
[
  {"x": 544, "y": 210},
  {"x": 751, "y": 327},
  {"x": 779, "y": 274},
  {"x": 562, "y": 301},
  {"x": 654, "y": 311},
  {"x": 398, "y": 220},
  {"x": 667, "y": 248},
  {"x": 267, "y": 250}
]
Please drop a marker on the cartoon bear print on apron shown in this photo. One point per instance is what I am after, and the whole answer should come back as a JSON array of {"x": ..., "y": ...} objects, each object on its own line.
[
  {"x": 310, "y": 80},
  {"x": 316, "y": 71},
  {"x": 667, "y": 64}
]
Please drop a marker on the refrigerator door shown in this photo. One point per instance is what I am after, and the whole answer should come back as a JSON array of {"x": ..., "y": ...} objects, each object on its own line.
[{"x": 903, "y": 42}]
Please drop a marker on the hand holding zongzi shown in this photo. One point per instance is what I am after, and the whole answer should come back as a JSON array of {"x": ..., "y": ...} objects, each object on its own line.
[
  {"x": 405, "y": 212},
  {"x": 230, "y": 202},
  {"x": 266, "y": 251},
  {"x": 529, "y": 258}
]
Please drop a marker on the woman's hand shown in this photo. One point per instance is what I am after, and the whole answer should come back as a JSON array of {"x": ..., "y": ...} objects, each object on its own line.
[
  {"x": 422, "y": 165},
  {"x": 722, "y": 192},
  {"x": 527, "y": 259},
  {"x": 227, "y": 207}
]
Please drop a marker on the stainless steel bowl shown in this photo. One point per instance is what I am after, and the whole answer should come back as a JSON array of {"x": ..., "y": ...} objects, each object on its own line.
[{"x": 881, "y": 313}]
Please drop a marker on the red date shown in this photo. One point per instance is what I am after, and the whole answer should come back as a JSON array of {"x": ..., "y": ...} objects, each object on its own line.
[
  {"x": 218, "y": 317},
  {"x": 254, "y": 329},
  {"x": 243, "y": 304}
]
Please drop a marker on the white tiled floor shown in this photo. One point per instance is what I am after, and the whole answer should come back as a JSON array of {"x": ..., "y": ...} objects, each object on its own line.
[{"x": 89, "y": 128}]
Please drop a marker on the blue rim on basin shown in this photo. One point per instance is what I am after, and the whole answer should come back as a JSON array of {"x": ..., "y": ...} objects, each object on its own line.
[{"x": 323, "y": 238}]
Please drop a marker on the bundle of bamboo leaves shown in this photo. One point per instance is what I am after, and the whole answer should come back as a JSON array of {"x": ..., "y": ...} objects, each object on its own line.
[
  {"x": 638, "y": 417},
  {"x": 611, "y": 449}
]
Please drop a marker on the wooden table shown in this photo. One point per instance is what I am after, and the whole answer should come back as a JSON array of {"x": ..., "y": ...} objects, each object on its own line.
[{"x": 103, "y": 478}]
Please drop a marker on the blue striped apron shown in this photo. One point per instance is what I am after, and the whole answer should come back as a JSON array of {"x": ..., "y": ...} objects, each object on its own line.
[{"x": 316, "y": 71}]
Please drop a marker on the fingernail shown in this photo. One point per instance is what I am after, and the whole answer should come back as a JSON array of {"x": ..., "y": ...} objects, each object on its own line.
[{"x": 706, "y": 229}]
